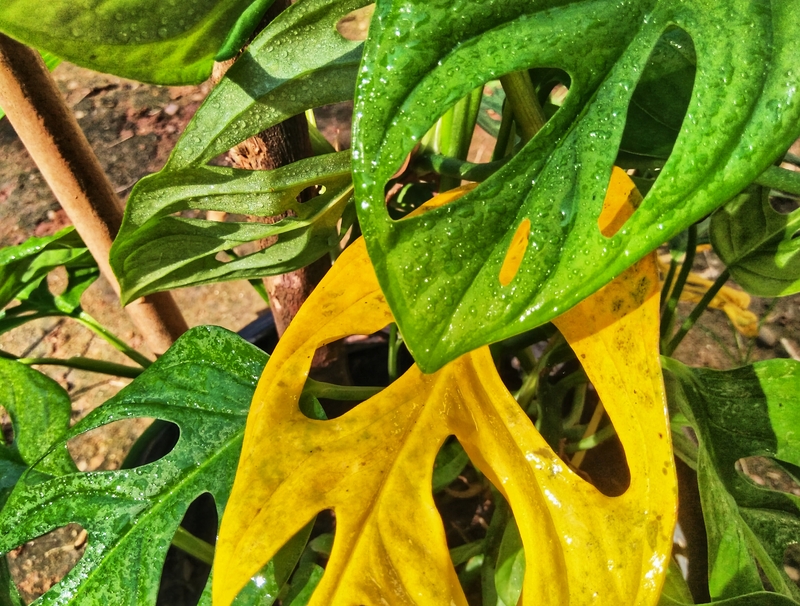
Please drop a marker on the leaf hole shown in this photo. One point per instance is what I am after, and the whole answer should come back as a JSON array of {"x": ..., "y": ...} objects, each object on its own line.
[
  {"x": 40, "y": 564},
  {"x": 334, "y": 122},
  {"x": 515, "y": 253},
  {"x": 354, "y": 25},
  {"x": 784, "y": 206},
  {"x": 187, "y": 565},
  {"x": 106, "y": 447},
  {"x": 768, "y": 473},
  {"x": 791, "y": 562},
  {"x": 296, "y": 570},
  {"x": 6, "y": 428}
]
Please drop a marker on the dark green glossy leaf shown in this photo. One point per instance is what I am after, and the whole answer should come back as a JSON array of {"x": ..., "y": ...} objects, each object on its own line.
[
  {"x": 40, "y": 411},
  {"x": 203, "y": 384},
  {"x": 298, "y": 62},
  {"x": 243, "y": 28},
  {"x": 749, "y": 411},
  {"x": 450, "y": 462},
  {"x": 164, "y": 42},
  {"x": 440, "y": 270},
  {"x": 758, "y": 244},
  {"x": 23, "y": 266},
  {"x": 662, "y": 95},
  {"x": 23, "y": 273},
  {"x": 156, "y": 250}
]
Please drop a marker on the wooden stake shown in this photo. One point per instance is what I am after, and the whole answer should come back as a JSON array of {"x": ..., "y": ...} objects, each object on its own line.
[{"x": 50, "y": 132}]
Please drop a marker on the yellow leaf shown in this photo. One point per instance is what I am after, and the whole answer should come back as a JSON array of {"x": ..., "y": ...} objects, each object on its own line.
[{"x": 373, "y": 465}]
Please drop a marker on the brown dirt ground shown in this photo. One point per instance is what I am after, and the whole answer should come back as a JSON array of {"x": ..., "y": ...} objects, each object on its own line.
[{"x": 132, "y": 128}]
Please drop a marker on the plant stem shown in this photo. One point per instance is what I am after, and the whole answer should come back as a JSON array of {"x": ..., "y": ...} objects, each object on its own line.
[
  {"x": 393, "y": 349},
  {"x": 665, "y": 290},
  {"x": 696, "y": 312},
  {"x": 521, "y": 95},
  {"x": 593, "y": 440},
  {"x": 320, "y": 389},
  {"x": 81, "y": 363},
  {"x": 455, "y": 133},
  {"x": 458, "y": 169},
  {"x": 506, "y": 133},
  {"x": 591, "y": 429},
  {"x": 198, "y": 548},
  {"x": 93, "y": 325},
  {"x": 668, "y": 317}
]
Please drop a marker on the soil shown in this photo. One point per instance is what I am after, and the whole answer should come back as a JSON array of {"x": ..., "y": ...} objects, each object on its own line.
[{"x": 132, "y": 128}]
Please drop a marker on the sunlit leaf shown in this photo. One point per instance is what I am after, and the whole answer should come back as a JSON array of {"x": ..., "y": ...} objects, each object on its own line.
[
  {"x": 298, "y": 62},
  {"x": 156, "y": 250},
  {"x": 164, "y": 42},
  {"x": 440, "y": 271},
  {"x": 203, "y": 384},
  {"x": 23, "y": 273},
  {"x": 749, "y": 411},
  {"x": 373, "y": 465},
  {"x": 758, "y": 245}
]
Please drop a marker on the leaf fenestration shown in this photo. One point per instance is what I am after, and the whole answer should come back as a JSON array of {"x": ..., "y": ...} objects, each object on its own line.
[
  {"x": 373, "y": 465},
  {"x": 439, "y": 270}
]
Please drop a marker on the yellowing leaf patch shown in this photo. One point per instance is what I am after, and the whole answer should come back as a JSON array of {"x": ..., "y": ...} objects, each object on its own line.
[{"x": 373, "y": 465}]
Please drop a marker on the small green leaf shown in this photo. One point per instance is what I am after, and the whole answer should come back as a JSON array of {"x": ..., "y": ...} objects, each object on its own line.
[
  {"x": 40, "y": 411},
  {"x": 449, "y": 463},
  {"x": 749, "y": 411},
  {"x": 759, "y": 245},
  {"x": 156, "y": 250},
  {"x": 761, "y": 598},
  {"x": 298, "y": 62},
  {"x": 204, "y": 384},
  {"x": 147, "y": 40},
  {"x": 510, "y": 570},
  {"x": 241, "y": 30},
  {"x": 439, "y": 271}
]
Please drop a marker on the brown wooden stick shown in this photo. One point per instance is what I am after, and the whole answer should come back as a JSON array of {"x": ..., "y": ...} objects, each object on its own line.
[{"x": 50, "y": 132}]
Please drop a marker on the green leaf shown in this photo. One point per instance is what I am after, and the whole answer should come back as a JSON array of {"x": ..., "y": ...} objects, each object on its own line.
[
  {"x": 675, "y": 587},
  {"x": 749, "y": 411},
  {"x": 449, "y": 463},
  {"x": 23, "y": 273},
  {"x": 148, "y": 40},
  {"x": 204, "y": 384},
  {"x": 662, "y": 95},
  {"x": 510, "y": 570},
  {"x": 40, "y": 412},
  {"x": 156, "y": 250},
  {"x": 440, "y": 270},
  {"x": 758, "y": 244},
  {"x": 761, "y": 598},
  {"x": 9, "y": 596},
  {"x": 298, "y": 62}
]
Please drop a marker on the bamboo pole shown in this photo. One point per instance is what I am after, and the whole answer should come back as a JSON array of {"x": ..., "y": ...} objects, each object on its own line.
[{"x": 50, "y": 132}]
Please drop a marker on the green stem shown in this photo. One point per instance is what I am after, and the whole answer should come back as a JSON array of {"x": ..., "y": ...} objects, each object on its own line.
[
  {"x": 597, "y": 438},
  {"x": 458, "y": 169},
  {"x": 696, "y": 312},
  {"x": 198, "y": 548},
  {"x": 506, "y": 133},
  {"x": 320, "y": 389},
  {"x": 578, "y": 403},
  {"x": 668, "y": 318},
  {"x": 93, "y": 325},
  {"x": 393, "y": 350},
  {"x": 81, "y": 363},
  {"x": 521, "y": 95},
  {"x": 781, "y": 179},
  {"x": 665, "y": 290},
  {"x": 455, "y": 135}
]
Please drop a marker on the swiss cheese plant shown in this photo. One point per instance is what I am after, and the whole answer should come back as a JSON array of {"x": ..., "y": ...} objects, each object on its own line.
[{"x": 619, "y": 126}]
